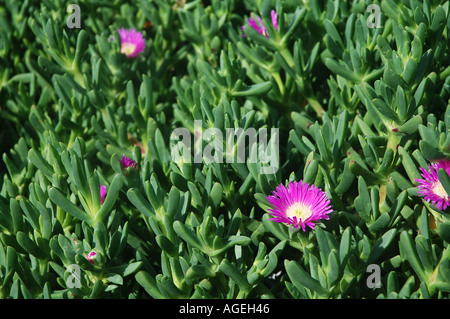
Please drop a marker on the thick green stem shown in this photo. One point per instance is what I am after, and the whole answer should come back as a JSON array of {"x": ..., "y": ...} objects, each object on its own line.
[
  {"x": 315, "y": 105},
  {"x": 286, "y": 54},
  {"x": 242, "y": 294},
  {"x": 393, "y": 141},
  {"x": 43, "y": 267},
  {"x": 277, "y": 78}
]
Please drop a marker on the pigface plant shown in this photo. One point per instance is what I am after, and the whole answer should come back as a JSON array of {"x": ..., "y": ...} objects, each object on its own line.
[{"x": 223, "y": 149}]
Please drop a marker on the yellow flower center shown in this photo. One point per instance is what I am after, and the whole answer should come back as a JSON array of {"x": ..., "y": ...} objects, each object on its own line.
[
  {"x": 439, "y": 190},
  {"x": 127, "y": 48},
  {"x": 299, "y": 210}
]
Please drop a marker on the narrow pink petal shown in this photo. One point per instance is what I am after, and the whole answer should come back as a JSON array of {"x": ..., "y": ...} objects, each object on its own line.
[
  {"x": 102, "y": 193},
  {"x": 255, "y": 25},
  {"x": 273, "y": 14}
]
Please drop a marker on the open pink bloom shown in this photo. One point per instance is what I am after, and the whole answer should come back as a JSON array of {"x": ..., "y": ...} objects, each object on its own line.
[
  {"x": 102, "y": 193},
  {"x": 431, "y": 188},
  {"x": 132, "y": 42},
  {"x": 259, "y": 27},
  {"x": 299, "y": 204},
  {"x": 127, "y": 162}
]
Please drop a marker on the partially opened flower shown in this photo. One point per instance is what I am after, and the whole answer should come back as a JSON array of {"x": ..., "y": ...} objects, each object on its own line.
[
  {"x": 259, "y": 26},
  {"x": 91, "y": 256},
  {"x": 299, "y": 204},
  {"x": 127, "y": 162},
  {"x": 431, "y": 188},
  {"x": 132, "y": 42},
  {"x": 102, "y": 193}
]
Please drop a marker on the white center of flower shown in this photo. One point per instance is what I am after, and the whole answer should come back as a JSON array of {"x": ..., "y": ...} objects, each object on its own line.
[
  {"x": 439, "y": 190},
  {"x": 299, "y": 210},
  {"x": 127, "y": 48}
]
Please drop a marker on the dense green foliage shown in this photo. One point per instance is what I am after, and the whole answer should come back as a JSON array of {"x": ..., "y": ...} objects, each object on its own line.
[{"x": 358, "y": 109}]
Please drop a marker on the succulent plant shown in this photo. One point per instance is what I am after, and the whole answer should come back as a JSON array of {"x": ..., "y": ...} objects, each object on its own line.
[{"x": 93, "y": 203}]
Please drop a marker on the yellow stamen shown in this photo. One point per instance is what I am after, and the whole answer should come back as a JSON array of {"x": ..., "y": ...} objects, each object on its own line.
[
  {"x": 127, "y": 48},
  {"x": 439, "y": 190},
  {"x": 299, "y": 210}
]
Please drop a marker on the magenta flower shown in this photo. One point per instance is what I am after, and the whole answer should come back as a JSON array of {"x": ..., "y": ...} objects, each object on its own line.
[
  {"x": 127, "y": 162},
  {"x": 132, "y": 42},
  {"x": 91, "y": 256},
  {"x": 102, "y": 193},
  {"x": 431, "y": 188},
  {"x": 299, "y": 204},
  {"x": 259, "y": 26}
]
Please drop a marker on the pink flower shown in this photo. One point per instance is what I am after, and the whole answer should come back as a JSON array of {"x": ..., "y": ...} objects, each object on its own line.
[
  {"x": 127, "y": 162},
  {"x": 132, "y": 42},
  {"x": 431, "y": 188},
  {"x": 299, "y": 204},
  {"x": 102, "y": 193},
  {"x": 259, "y": 27},
  {"x": 90, "y": 257}
]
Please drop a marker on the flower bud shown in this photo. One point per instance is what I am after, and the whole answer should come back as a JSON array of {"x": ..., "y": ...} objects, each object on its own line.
[{"x": 91, "y": 257}]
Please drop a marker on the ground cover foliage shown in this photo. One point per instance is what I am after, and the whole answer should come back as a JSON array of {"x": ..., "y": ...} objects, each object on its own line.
[{"x": 359, "y": 110}]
